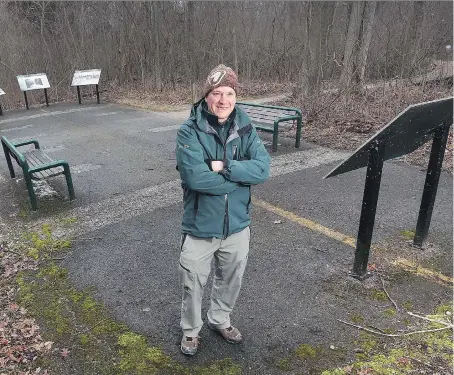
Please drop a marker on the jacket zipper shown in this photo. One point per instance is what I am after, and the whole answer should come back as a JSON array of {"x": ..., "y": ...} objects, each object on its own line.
[{"x": 226, "y": 202}]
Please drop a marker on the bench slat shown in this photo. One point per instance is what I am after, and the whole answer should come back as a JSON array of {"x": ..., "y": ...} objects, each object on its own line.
[
  {"x": 268, "y": 112},
  {"x": 36, "y": 158},
  {"x": 267, "y": 115}
]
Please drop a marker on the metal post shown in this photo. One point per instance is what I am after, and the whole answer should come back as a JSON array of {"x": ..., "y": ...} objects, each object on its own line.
[
  {"x": 275, "y": 134},
  {"x": 431, "y": 185},
  {"x": 298, "y": 132},
  {"x": 45, "y": 94},
  {"x": 26, "y": 101},
  {"x": 367, "y": 219},
  {"x": 78, "y": 95},
  {"x": 97, "y": 94}
]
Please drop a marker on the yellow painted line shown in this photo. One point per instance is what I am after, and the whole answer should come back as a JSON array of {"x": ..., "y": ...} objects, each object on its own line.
[
  {"x": 410, "y": 266},
  {"x": 306, "y": 223},
  {"x": 400, "y": 262}
]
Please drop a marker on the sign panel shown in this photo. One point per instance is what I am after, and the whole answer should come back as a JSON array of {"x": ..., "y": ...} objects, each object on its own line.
[
  {"x": 86, "y": 77},
  {"x": 409, "y": 130},
  {"x": 2, "y": 92},
  {"x": 33, "y": 82}
]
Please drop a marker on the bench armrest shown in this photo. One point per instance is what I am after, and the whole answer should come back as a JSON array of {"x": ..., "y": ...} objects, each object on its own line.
[
  {"x": 287, "y": 118},
  {"x": 56, "y": 163},
  {"x": 34, "y": 141}
]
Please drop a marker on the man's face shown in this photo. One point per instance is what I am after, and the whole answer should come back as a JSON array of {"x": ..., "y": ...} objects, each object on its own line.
[{"x": 221, "y": 101}]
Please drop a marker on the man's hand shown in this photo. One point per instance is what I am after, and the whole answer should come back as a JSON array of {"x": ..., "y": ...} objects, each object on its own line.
[{"x": 217, "y": 165}]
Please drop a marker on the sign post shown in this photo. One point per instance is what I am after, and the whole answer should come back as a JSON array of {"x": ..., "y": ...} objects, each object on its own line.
[
  {"x": 33, "y": 82},
  {"x": 1, "y": 110},
  {"x": 84, "y": 78},
  {"x": 408, "y": 131},
  {"x": 431, "y": 185}
]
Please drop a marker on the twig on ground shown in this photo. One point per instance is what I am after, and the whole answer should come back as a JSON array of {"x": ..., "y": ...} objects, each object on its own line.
[
  {"x": 63, "y": 257},
  {"x": 376, "y": 328},
  {"x": 386, "y": 292},
  {"x": 392, "y": 334},
  {"x": 317, "y": 249},
  {"x": 421, "y": 362},
  {"x": 450, "y": 325},
  {"x": 87, "y": 239}
]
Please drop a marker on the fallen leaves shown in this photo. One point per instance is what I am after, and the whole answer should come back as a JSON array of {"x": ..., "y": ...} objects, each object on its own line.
[{"x": 20, "y": 340}]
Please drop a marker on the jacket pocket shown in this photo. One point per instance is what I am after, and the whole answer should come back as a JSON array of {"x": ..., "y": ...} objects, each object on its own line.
[{"x": 248, "y": 207}]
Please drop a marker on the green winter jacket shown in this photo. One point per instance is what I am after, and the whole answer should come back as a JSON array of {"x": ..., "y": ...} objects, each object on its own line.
[{"x": 218, "y": 204}]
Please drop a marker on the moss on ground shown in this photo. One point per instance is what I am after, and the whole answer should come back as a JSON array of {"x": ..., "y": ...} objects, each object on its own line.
[{"x": 407, "y": 234}]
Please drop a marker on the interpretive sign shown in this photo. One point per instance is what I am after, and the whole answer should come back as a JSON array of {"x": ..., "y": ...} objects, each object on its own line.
[
  {"x": 410, "y": 129},
  {"x": 405, "y": 133},
  {"x": 33, "y": 82},
  {"x": 86, "y": 77}
]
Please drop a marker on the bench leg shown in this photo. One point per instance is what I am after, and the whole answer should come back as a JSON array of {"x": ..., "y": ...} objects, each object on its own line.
[
  {"x": 8, "y": 161},
  {"x": 275, "y": 134},
  {"x": 31, "y": 192},
  {"x": 69, "y": 182},
  {"x": 298, "y": 133}
]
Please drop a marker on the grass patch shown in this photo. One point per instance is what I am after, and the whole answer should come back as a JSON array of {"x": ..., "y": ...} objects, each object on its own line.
[
  {"x": 390, "y": 312},
  {"x": 378, "y": 295},
  {"x": 356, "y": 318},
  {"x": 408, "y": 234}
]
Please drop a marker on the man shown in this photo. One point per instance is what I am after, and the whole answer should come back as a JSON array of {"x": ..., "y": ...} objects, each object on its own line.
[{"x": 219, "y": 157}]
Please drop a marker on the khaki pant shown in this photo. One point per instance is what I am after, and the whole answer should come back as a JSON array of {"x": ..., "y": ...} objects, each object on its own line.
[{"x": 230, "y": 257}]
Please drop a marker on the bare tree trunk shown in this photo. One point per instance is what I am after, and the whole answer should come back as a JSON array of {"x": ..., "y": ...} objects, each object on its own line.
[
  {"x": 368, "y": 22},
  {"x": 302, "y": 86},
  {"x": 235, "y": 50},
  {"x": 416, "y": 31},
  {"x": 351, "y": 44},
  {"x": 157, "y": 57}
]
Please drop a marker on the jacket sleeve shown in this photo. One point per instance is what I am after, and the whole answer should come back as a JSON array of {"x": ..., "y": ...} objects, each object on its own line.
[
  {"x": 194, "y": 172},
  {"x": 256, "y": 169}
]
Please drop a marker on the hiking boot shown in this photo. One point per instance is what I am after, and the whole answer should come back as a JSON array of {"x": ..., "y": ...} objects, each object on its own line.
[
  {"x": 230, "y": 334},
  {"x": 189, "y": 345}
]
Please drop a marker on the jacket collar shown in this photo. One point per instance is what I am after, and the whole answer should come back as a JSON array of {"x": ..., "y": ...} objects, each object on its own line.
[{"x": 206, "y": 121}]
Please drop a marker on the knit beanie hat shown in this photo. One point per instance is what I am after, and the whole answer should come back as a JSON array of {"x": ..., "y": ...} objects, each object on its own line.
[{"x": 220, "y": 76}]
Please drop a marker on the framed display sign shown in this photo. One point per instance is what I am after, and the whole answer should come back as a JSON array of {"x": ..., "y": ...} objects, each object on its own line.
[
  {"x": 86, "y": 77},
  {"x": 33, "y": 82}
]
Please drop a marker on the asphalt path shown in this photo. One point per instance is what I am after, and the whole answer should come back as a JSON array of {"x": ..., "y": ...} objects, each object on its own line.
[{"x": 129, "y": 207}]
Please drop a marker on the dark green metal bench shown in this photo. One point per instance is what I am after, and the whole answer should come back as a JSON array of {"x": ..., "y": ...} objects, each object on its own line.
[
  {"x": 36, "y": 165},
  {"x": 268, "y": 118}
]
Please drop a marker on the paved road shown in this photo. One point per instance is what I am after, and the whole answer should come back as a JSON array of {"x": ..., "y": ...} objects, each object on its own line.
[{"x": 129, "y": 207}]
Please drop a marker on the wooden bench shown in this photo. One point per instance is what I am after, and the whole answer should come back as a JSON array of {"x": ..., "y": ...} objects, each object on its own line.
[
  {"x": 36, "y": 165},
  {"x": 268, "y": 118}
]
